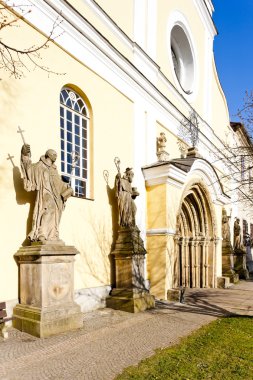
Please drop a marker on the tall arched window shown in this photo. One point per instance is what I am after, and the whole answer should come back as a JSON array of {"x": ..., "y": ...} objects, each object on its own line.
[{"x": 74, "y": 125}]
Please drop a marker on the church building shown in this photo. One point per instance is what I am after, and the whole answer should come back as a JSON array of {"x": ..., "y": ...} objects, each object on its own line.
[{"x": 113, "y": 86}]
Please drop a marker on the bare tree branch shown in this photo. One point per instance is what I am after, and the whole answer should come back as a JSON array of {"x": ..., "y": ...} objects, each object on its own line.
[{"x": 15, "y": 59}]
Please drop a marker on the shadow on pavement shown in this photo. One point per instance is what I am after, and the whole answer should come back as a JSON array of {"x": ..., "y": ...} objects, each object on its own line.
[{"x": 202, "y": 302}]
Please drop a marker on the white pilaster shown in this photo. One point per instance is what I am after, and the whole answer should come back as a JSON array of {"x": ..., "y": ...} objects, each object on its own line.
[
  {"x": 208, "y": 77},
  {"x": 139, "y": 161},
  {"x": 140, "y": 23},
  {"x": 151, "y": 28}
]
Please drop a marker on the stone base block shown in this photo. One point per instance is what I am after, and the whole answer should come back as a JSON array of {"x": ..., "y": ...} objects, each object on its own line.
[
  {"x": 234, "y": 278},
  {"x": 223, "y": 282},
  {"x": 173, "y": 295},
  {"x": 176, "y": 294},
  {"x": 249, "y": 265},
  {"x": 240, "y": 265},
  {"x": 129, "y": 300},
  {"x": 3, "y": 331},
  {"x": 47, "y": 321}
]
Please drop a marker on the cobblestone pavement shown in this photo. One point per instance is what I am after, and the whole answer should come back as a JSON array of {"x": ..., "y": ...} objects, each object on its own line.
[{"x": 112, "y": 340}]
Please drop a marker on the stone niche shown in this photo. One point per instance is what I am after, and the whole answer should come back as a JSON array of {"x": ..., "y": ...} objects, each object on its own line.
[{"x": 46, "y": 290}]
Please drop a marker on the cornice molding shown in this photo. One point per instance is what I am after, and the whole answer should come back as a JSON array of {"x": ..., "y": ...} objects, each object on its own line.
[
  {"x": 209, "y": 5},
  {"x": 168, "y": 173},
  {"x": 158, "y": 174},
  {"x": 84, "y": 42},
  {"x": 161, "y": 231},
  {"x": 206, "y": 16}
]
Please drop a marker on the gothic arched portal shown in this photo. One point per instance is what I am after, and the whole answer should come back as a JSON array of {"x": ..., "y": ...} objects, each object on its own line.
[{"x": 195, "y": 241}]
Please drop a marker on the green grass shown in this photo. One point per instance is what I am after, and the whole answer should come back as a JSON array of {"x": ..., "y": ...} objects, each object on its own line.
[{"x": 221, "y": 350}]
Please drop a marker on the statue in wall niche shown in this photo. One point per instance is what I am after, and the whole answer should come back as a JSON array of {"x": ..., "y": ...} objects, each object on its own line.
[
  {"x": 237, "y": 234},
  {"x": 52, "y": 194},
  {"x": 225, "y": 226},
  {"x": 125, "y": 194}
]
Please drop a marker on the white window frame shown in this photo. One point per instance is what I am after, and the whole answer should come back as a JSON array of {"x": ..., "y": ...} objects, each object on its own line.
[
  {"x": 178, "y": 19},
  {"x": 71, "y": 101}
]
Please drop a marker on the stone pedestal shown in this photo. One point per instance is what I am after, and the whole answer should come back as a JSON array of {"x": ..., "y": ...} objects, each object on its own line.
[
  {"x": 130, "y": 293},
  {"x": 228, "y": 264},
  {"x": 176, "y": 294},
  {"x": 240, "y": 264},
  {"x": 223, "y": 282},
  {"x": 46, "y": 290}
]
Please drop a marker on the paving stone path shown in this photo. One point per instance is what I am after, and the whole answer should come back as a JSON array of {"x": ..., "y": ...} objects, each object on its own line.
[{"x": 112, "y": 340}]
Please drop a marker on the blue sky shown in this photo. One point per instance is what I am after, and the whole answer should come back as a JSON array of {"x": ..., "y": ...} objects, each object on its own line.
[{"x": 233, "y": 49}]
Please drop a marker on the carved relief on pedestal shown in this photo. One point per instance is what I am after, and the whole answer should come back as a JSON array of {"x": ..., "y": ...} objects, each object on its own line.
[{"x": 59, "y": 283}]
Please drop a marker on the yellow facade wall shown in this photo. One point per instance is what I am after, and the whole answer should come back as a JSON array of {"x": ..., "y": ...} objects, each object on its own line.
[
  {"x": 156, "y": 264},
  {"x": 32, "y": 102},
  {"x": 172, "y": 144},
  {"x": 156, "y": 200},
  {"x": 220, "y": 115},
  {"x": 122, "y": 14}
]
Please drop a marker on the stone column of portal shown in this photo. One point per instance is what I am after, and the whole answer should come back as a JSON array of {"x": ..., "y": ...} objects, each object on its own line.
[
  {"x": 46, "y": 290},
  {"x": 184, "y": 264},
  {"x": 187, "y": 265},
  {"x": 202, "y": 262},
  {"x": 193, "y": 263},
  {"x": 178, "y": 243},
  {"x": 197, "y": 263},
  {"x": 205, "y": 263}
]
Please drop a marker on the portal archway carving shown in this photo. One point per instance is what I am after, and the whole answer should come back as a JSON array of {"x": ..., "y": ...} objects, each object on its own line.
[{"x": 195, "y": 240}]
